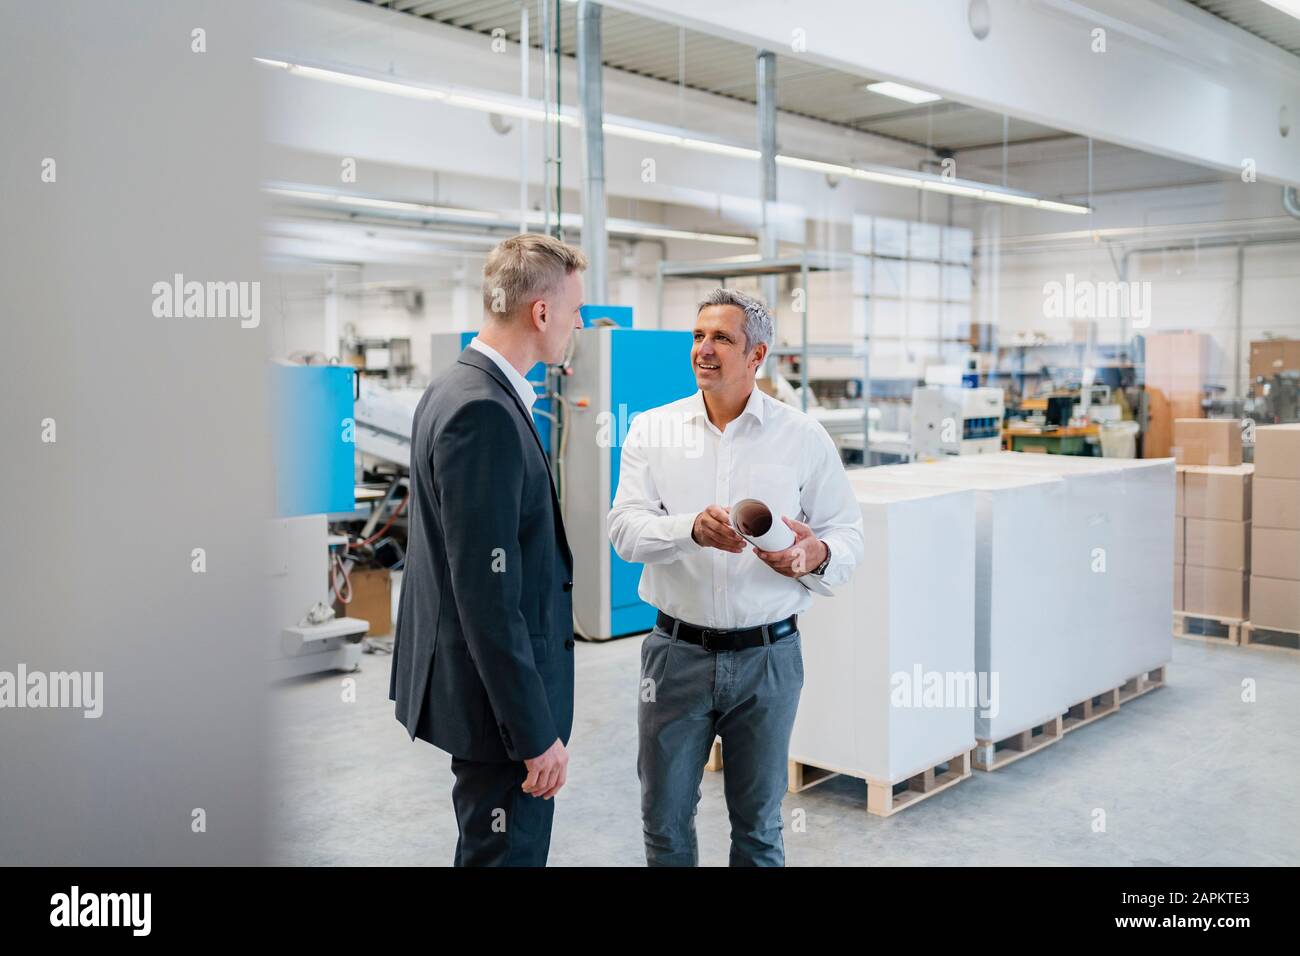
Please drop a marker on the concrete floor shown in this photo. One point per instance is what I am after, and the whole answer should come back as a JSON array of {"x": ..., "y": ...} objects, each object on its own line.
[{"x": 1187, "y": 775}]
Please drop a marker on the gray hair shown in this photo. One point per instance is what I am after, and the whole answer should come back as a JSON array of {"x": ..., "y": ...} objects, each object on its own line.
[{"x": 758, "y": 321}]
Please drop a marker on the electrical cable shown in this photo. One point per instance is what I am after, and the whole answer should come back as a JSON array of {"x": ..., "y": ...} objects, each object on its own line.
[
  {"x": 337, "y": 568},
  {"x": 382, "y": 531}
]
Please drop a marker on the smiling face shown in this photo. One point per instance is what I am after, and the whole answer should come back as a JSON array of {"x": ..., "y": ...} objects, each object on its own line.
[{"x": 719, "y": 357}]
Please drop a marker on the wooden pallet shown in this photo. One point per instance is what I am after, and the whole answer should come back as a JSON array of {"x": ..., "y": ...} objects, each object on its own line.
[
  {"x": 715, "y": 756},
  {"x": 1208, "y": 629},
  {"x": 1094, "y": 708},
  {"x": 996, "y": 754},
  {"x": 1250, "y": 637},
  {"x": 884, "y": 799},
  {"x": 1135, "y": 687}
]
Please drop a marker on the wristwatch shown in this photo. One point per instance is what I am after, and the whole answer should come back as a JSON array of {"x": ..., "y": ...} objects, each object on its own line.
[{"x": 821, "y": 568}]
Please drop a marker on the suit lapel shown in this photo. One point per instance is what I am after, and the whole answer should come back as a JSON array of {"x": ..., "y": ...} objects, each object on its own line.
[{"x": 483, "y": 363}]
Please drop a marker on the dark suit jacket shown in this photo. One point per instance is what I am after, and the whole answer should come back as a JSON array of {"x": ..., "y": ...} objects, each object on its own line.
[{"x": 483, "y": 657}]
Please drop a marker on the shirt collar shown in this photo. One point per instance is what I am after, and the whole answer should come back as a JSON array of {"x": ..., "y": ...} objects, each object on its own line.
[
  {"x": 527, "y": 394},
  {"x": 755, "y": 406}
]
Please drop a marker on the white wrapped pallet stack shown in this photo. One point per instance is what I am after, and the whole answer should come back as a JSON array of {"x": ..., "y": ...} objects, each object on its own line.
[
  {"x": 1021, "y": 651},
  {"x": 907, "y": 613},
  {"x": 1116, "y": 599}
]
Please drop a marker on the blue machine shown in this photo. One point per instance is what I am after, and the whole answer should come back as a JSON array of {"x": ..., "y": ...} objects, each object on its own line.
[
  {"x": 618, "y": 373},
  {"x": 447, "y": 347},
  {"x": 314, "y": 435}
]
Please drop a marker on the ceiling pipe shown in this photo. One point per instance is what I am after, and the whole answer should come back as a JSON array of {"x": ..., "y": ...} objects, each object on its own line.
[
  {"x": 766, "y": 83},
  {"x": 595, "y": 242}
]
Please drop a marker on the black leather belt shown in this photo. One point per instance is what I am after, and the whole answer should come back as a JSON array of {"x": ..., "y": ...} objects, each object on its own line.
[{"x": 712, "y": 639}]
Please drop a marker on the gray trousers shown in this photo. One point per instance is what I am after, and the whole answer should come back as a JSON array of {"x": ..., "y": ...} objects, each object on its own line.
[{"x": 687, "y": 697}]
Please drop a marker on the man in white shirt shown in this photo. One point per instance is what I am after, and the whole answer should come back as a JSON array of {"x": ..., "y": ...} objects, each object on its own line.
[{"x": 725, "y": 656}]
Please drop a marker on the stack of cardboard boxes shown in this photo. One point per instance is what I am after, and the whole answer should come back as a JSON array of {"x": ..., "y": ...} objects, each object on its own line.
[
  {"x": 1275, "y": 546},
  {"x": 1212, "y": 525},
  {"x": 1178, "y": 364}
]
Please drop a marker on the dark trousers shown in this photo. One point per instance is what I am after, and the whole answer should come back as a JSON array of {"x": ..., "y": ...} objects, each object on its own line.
[
  {"x": 499, "y": 824},
  {"x": 747, "y": 697}
]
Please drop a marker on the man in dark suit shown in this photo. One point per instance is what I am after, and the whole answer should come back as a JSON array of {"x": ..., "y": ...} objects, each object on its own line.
[{"x": 483, "y": 657}]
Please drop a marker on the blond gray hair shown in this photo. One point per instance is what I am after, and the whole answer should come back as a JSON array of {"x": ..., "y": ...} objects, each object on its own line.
[
  {"x": 758, "y": 321},
  {"x": 524, "y": 268}
]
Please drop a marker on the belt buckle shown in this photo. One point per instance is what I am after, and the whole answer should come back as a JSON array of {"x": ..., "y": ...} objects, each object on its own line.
[{"x": 704, "y": 638}]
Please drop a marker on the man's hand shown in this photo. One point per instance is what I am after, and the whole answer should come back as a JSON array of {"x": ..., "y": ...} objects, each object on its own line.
[
  {"x": 712, "y": 529},
  {"x": 806, "y": 553},
  {"x": 547, "y": 772}
]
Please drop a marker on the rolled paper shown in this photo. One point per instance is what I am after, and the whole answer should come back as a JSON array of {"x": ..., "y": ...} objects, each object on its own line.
[{"x": 755, "y": 522}]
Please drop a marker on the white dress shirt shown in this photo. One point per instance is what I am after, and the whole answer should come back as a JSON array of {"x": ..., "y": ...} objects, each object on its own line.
[
  {"x": 675, "y": 463},
  {"x": 527, "y": 394}
]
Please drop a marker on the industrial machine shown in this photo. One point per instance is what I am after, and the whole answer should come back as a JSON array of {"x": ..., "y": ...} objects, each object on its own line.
[
  {"x": 1276, "y": 400},
  {"x": 384, "y": 417},
  {"x": 952, "y": 420},
  {"x": 314, "y": 434},
  {"x": 616, "y": 374}
]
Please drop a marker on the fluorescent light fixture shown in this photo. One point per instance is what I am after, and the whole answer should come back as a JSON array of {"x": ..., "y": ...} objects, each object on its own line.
[
  {"x": 645, "y": 135},
  {"x": 898, "y": 91},
  {"x": 374, "y": 84},
  {"x": 954, "y": 189},
  {"x": 724, "y": 149},
  {"x": 619, "y": 227},
  {"x": 814, "y": 165},
  {"x": 623, "y": 129},
  {"x": 389, "y": 205},
  {"x": 1061, "y": 206},
  {"x": 623, "y": 227}
]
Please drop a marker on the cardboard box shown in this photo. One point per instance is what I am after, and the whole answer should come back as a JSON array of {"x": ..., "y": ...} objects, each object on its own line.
[
  {"x": 372, "y": 600},
  {"x": 1219, "y": 492},
  {"x": 1275, "y": 602},
  {"x": 1163, "y": 407},
  {"x": 1180, "y": 540},
  {"x": 1275, "y": 553},
  {"x": 1214, "y": 592},
  {"x": 1269, "y": 357},
  {"x": 1277, "y": 451},
  {"x": 1208, "y": 441},
  {"x": 1178, "y": 587},
  {"x": 1217, "y": 544},
  {"x": 1276, "y": 502},
  {"x": 1179, "y": 361}
]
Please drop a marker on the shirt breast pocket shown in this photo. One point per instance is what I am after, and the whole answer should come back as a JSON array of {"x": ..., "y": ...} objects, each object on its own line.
[{"x": 777, "y": 486}]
